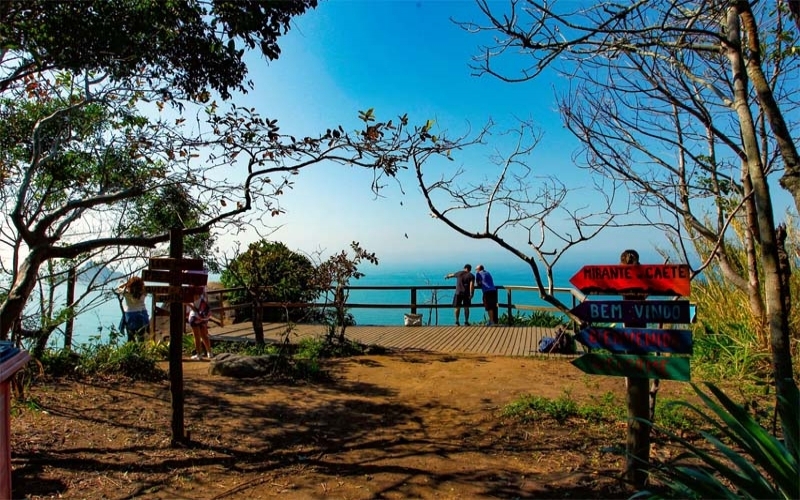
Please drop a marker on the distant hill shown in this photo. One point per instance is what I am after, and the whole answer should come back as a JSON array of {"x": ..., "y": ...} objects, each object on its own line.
[{"x": 88, "y": 272}]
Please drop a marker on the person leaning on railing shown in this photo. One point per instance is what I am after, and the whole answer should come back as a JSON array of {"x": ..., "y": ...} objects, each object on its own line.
[
  {"x": 486, "y": 282},
  {"x": 465, "y": 289}
]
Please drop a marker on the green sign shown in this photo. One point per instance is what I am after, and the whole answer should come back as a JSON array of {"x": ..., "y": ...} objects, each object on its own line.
[{"x": 631, "y": 365}]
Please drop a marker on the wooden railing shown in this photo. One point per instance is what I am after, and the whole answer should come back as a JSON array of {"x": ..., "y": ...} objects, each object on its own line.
[{"x": 220, "y": 310}]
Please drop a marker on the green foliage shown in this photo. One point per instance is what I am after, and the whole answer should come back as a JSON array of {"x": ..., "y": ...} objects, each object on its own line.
[
  {"x": 170, "y": 206},
  {"x": 604, "y": 408},
  {"x": 272, "y": 273},
  {"x": 60, "y": 362},
  {"x": 134, "y": 360},
  {"x": 545, "y": 319},
  {"x": 747, "y": 462},
  {"x": 729, "y": 341},
  {"x": 192, "y": 45},
  {"x": 73, "y": 169},
  {"x": 730, "y": 351},
  {"x": 530, "y": 408}
]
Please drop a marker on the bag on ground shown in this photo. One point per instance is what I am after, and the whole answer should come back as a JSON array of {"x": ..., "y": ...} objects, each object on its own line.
[
  {"x": 562, "y": 343},
  {"x": 412, "y": 319}
]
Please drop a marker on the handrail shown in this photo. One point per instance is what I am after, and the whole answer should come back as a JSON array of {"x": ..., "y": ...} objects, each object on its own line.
[{"x": 413, "y": 303}]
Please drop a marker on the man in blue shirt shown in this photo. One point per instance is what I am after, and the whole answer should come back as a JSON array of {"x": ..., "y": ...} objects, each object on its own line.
[{"x": 484, "y": 280}]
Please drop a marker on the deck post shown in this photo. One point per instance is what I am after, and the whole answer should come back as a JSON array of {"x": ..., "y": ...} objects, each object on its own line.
[
  {"x": 413, "y": 300},
  {"x": 509, "y": 306}
]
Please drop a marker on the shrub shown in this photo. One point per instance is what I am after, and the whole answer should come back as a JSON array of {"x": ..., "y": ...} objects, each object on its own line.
[
  {"x": 749, "y": 462},
  {"x": 545, "y": 319}
]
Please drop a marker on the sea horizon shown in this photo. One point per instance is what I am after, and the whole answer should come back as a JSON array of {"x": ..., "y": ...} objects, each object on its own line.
[{"x": 96, "y": 324}]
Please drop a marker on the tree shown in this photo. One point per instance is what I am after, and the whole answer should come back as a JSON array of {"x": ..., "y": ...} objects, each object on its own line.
[
  {"x": 271, "y": 272},
  {"x": 106, "y": 132},
  {"x": 516, "y": 206},
  {"x": 185, "y": 48},
  {"x": 690, "y": 105},
  {"x": 147, "y": 49},
  {"x": 332, "y": 278}
]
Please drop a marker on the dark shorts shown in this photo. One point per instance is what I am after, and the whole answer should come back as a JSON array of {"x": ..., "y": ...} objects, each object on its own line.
[
  {"x": 490, "y": 300},
  {"x": 462, "y": 299}
]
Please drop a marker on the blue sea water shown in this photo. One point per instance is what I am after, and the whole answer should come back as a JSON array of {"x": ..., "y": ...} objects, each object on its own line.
[{"x": 98, "y": 323}]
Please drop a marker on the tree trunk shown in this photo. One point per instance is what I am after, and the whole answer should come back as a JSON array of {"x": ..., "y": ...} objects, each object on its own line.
[
  {"x": 766, "y": 101},
  {"x": 777, "y": 315},
  {"x": 11, "y": 310},
  {"x": 258, "y": 320},
  {"x": 750, "y": 238}
]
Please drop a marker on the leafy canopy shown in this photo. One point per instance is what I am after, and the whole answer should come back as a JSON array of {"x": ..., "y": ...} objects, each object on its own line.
[{"x": 193, "y": 44}]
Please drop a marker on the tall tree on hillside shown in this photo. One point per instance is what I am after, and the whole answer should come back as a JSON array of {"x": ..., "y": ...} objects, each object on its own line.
[
  {"x": 689, "y": 103},
  {"x": 113, "y": 125}
]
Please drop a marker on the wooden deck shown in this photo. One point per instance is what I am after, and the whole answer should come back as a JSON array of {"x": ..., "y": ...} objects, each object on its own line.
[{"x": 495, "y": 341}]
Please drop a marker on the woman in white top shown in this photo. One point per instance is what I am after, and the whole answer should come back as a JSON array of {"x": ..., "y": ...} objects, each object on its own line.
[
  {"x": 135, "y": 320},
  {"x": 199, "y": 314}
]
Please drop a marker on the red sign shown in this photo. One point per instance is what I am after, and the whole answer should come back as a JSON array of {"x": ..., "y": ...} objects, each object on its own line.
[{"x": 649, "y": 279}]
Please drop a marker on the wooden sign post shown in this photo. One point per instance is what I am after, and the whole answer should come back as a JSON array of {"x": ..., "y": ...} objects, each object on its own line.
[
  {"x": 629, "y": 345},
  {"x": 173, "y": 271}
]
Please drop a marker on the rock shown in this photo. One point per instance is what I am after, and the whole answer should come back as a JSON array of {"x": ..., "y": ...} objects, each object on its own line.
[{"x": 241, "y": 366}]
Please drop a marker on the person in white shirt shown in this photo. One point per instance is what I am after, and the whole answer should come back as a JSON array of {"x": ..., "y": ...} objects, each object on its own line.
[
  {"x": 199, "y": 315},
  {"x": 135, "y": 320}
]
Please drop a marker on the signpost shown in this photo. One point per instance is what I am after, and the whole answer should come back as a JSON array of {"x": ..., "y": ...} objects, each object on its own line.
[
  {"x": 654, "y": 279},
  {"x": 634, "y": 311},
  {"x": 174, "y": 272},
  {"x": 636, "y": 340},
  {"x": 629, "y": 345},
  {"x": 181, "y": 288}
]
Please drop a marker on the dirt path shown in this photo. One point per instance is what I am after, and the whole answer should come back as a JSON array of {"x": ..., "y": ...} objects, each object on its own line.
[{"x": 391, "y": 426}]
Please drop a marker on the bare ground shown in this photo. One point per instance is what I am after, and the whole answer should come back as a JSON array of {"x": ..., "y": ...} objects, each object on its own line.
[{"x": 402, "y": 425}]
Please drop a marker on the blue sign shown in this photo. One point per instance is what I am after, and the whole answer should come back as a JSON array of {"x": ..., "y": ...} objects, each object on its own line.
[
  {"x": 635, "y": 311},
  {"x": 7, "y": 350},
  {"x": 636, "y": 340}
]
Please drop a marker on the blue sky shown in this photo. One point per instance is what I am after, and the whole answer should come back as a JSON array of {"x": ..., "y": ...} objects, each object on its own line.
[{"x": 399, "y": 57}]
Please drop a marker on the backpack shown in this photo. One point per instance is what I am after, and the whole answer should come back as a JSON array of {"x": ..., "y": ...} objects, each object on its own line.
[{"x": 562, "y": 343}]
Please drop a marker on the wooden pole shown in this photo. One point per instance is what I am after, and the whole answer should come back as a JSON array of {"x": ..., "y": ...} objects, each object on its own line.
[
  {"x": 69, "y": 328},
  {"x": 176, "y": 321},
  {"x": 638, "y": 402}
]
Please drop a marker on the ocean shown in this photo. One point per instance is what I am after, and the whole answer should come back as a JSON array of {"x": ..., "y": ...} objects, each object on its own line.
[{"x": 96, "y": 324}]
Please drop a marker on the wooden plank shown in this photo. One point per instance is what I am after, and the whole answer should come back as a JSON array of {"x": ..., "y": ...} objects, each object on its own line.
[
  {"x": 495, "y": 341},
  {"x": 169, "y": 264},
  {"x": 175, "y": 277}
]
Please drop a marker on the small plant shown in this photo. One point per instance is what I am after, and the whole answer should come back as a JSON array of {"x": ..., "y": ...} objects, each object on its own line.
[
  {"x": 544, "y": 319},
  {"x": 135, "y": 360},
  {"x": 531, "y": 408},
  {"x": 603, "y": 408},
  {"x": 60, "y": 362},
  {"x": 749, "y": 462}
]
